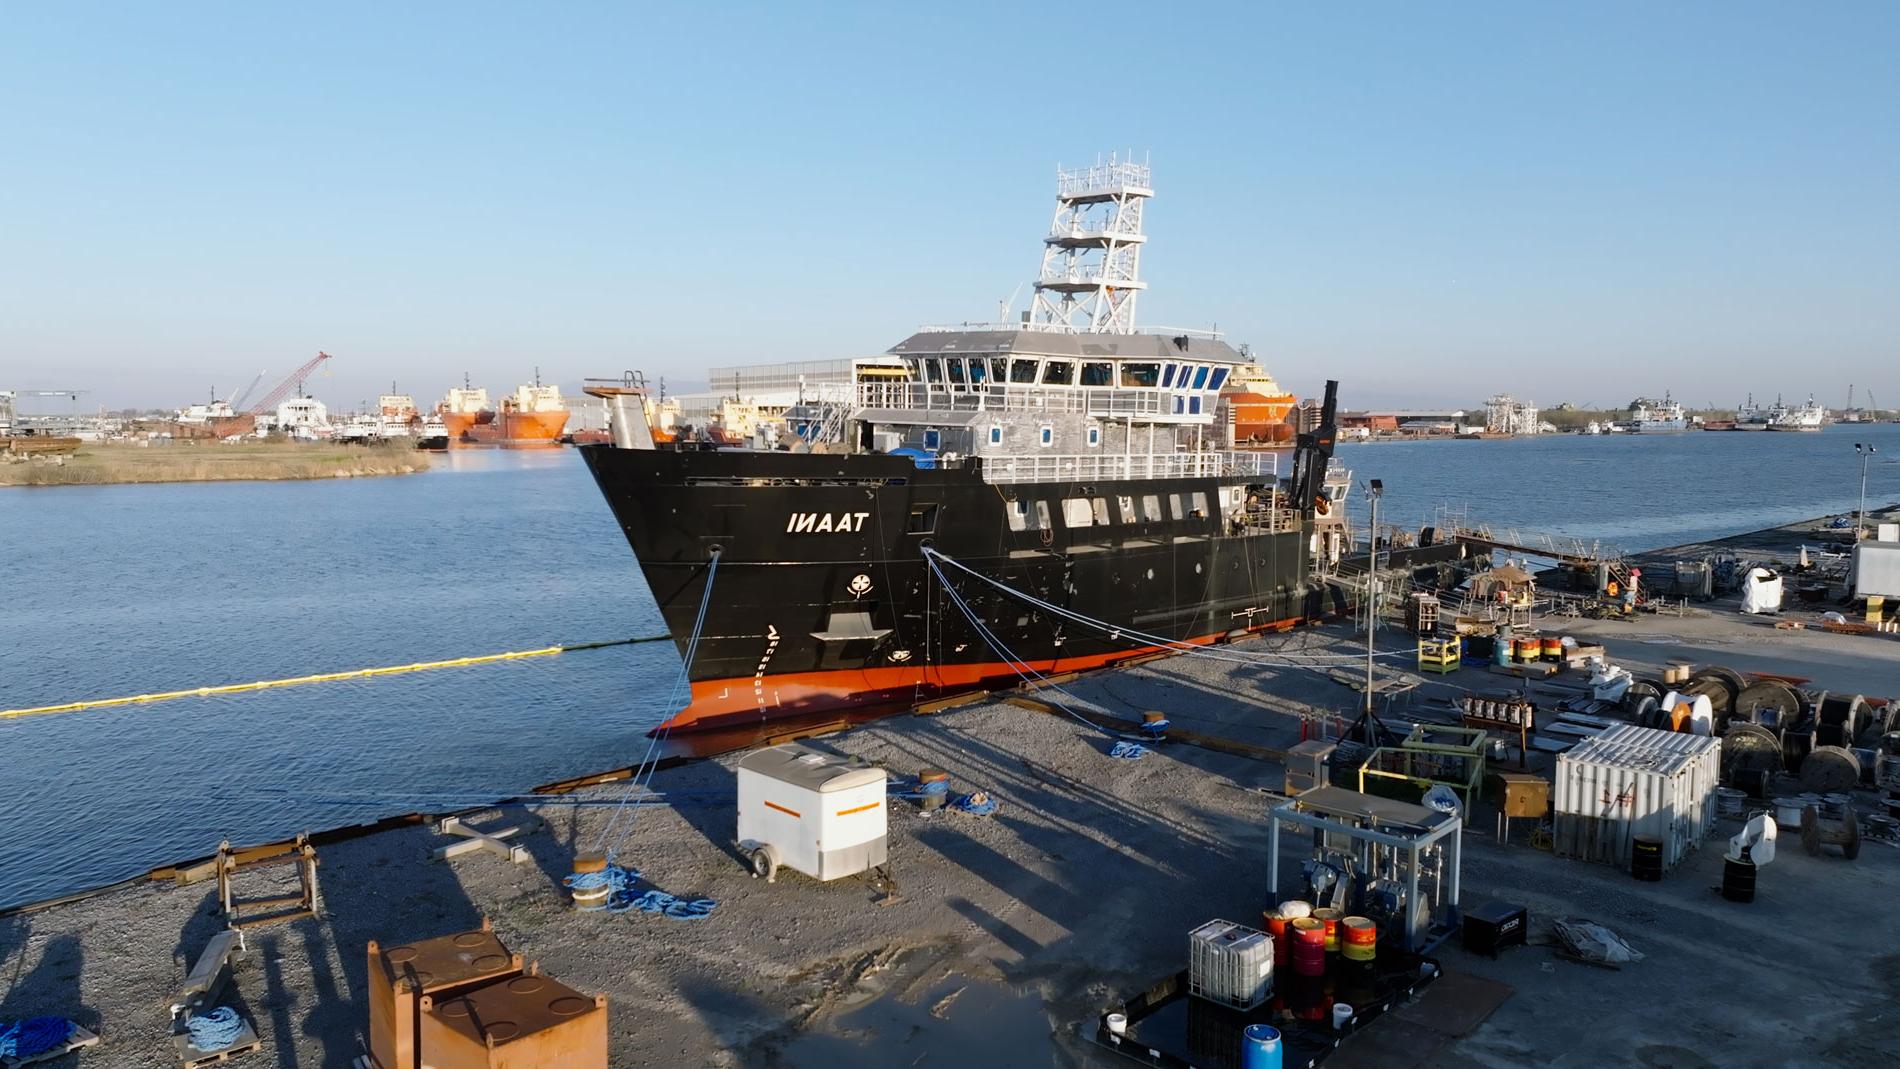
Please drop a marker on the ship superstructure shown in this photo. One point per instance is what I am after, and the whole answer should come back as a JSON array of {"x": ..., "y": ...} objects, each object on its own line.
[
  {"x": 1648, "y": 416},
  {"x": 1054, "y": 494},
  {"x": 1807, "y": 417}
]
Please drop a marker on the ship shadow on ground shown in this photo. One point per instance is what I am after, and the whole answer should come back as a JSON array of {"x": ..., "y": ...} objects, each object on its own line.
[
  {"x": 1110, "y": 870},
  {"x": 50, "y": 987}
]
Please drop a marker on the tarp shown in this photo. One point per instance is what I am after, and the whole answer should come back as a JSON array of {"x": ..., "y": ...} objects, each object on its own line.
[{"x": 1761, "y": 591}]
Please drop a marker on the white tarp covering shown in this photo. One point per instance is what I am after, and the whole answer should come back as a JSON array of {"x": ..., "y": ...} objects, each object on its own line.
[
  {"x": 1761, "y": 591},
  {"x": 1877, "y": 570}
]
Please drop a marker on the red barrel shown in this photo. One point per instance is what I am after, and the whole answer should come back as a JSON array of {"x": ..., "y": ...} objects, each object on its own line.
[
  {"x": 1276, "y": 927},
  {"x": 1553, "y": 649},
  {"x": 1309, "y": 946},
  {"x": 1361, "y": 938}
]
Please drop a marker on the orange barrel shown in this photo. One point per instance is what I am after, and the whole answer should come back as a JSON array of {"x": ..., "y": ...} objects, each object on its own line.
[
  {"x": 1360, "y": 940},
  {"x": 1309, "y": 946},
  {"x": 1330, "y": 918},
  {"x": 1526, "y": 649},
  {"x": 1276, "y": 927},
  {"x": 1554, "y": 648}
]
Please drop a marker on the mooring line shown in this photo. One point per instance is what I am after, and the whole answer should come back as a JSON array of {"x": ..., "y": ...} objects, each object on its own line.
[{"x": 326, "y": 677}]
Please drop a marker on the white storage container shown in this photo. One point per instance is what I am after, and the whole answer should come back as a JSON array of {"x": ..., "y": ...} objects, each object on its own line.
[
  {"x": 818, "y": 813},
  {"x": 1632, "y": 781},
  {"x": 1230, "y": 964}
]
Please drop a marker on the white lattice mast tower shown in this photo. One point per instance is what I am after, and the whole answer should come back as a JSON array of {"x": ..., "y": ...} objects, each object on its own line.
[{"x": 1091, "y": 260}]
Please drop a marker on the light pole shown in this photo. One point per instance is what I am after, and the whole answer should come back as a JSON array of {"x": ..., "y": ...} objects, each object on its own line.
[
  {"x": 1375, "y": 489},
  {"x": 1865, "y": 453}
]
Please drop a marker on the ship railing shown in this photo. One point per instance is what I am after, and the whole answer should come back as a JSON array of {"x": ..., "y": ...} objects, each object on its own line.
[
  {"x": 1044, "y": 468},
  {"x": 1019, "y": 397},
  {"x": 1060, "y": 328}
]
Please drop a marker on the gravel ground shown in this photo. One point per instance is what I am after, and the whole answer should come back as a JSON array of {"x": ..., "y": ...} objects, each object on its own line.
[{"x": 1078, "y": 890}]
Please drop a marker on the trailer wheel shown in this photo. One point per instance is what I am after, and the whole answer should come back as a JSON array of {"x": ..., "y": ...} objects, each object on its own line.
[{"x": 764, "y": 862}]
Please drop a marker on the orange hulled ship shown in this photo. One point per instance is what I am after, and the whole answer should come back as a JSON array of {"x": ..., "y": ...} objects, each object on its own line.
[
  {"x": 533, "y": 415},
  {"x": 1257, "y": 407}
]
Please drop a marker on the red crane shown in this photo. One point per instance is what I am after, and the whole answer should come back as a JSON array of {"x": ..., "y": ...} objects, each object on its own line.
[{"x": 268, "y": 403}]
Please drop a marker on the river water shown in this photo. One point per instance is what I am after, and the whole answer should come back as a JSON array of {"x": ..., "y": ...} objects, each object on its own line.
[{"x": 118, "y": 590}]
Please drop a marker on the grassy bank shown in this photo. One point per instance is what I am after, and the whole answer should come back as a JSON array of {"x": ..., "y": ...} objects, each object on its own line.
[{"x": 102, "y": 464}]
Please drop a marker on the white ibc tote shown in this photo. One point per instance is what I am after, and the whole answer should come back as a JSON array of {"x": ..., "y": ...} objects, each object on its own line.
[{"x": 818, "y": 813}]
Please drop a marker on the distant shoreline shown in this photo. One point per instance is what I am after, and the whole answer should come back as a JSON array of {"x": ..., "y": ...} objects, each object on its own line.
[{"x": 96, "y": 464}]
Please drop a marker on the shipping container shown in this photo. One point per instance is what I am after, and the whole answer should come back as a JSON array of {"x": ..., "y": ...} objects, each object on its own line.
[{"x": 1632, "y": 781}]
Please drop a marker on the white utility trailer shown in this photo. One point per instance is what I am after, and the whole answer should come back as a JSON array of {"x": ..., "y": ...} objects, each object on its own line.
[{"x": 818, "y": 813}]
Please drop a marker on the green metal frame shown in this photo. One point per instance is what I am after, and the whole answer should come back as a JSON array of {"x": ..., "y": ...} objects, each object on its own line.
[{"x": 1431, "y": 755}]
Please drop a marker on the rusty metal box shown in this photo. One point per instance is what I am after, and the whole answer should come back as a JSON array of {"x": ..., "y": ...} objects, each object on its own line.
[
  {"x": 1306, "y": 765},
  {"x": 442, "y": 967},
  {"x": 527, "y": 1022},
  {"x": 1520, "y": 795}
]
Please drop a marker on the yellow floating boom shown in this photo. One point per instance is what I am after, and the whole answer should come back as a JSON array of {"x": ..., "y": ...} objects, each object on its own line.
[{"x": 326, "y": 677}]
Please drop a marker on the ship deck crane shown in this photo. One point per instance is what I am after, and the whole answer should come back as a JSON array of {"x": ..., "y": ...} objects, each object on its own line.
[{"x": 269, "y": 401}]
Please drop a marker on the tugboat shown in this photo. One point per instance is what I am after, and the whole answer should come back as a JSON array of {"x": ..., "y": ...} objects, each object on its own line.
[{"x": 1040, "y": 496}]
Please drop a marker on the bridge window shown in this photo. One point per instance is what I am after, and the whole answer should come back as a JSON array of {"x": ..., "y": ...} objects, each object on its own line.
[
  {"x": 1177, "y": 506},
  {"x": 955, "y": 367},
  {"x": 1094, "y": 374},
  {"x": 1220, "y": 376},
  {"x": 1101, "y": 510},
  {"x": 1167, "y": 376},
  {"x": 1141, "y": 376},
  {"x": 1095, "y": 434},
  {"x": 1047, "y": 435},
  {"x": 999, "y": 369},
  {"x": 1058, "y": 373},
  {"x": 1076, "y": 512},
  {"x": 1127, "y": 505},
  {"x": 996, "y": 435},
  {"x": 979, "y": 370},
  {"x": 933, "y": 370},
  {"x": 933, "y": 439},
  {"x": 1200, "y": 377},
  {"x": 1200, "y": 503},
  {"x": 1022, "y": 371},
  {"x": 1151, "y": 508}
]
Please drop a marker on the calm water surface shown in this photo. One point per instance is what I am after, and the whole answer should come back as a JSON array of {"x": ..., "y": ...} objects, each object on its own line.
[{"x": 130, "y": 589}]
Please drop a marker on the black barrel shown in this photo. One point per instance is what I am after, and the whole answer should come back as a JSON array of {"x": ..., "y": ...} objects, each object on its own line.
[
  {"x": 1738, "y": 880},
  {"x": 1646, "y": 858},
  {"x": 1753, "y": 781}
]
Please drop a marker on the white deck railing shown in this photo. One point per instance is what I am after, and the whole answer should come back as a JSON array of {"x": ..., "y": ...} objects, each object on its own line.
[{"x": 1052, "y": 468}]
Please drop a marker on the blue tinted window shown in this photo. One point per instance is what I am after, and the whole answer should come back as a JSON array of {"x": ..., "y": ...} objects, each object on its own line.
[
  {"x": 1194, "y": 406},
  {"x": 1178, "y": 405},
  {"x": 1167, "y": 376},
  {"x": 1220, "y": 376},
  {"x": 996, "y": 436},
  {"x": 1200, "y": 377},
  {"x": 933, "y": 439}
]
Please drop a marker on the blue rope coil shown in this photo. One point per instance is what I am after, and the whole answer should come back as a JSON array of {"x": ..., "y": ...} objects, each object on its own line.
[
  {"x": 976, "y": 803},
  {"x": 915, "y": 791},
  {"x": 1156, "y": 728},
  {"x": 34, "y": 1036},
  {"x": 622, "y": 896},
  {"x": 215, "y": 1030},
  {"x": 1128, "y": 751}
]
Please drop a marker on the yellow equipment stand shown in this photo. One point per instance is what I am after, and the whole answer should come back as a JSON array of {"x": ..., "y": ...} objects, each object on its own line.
[{"x": 1438, "y": 655}]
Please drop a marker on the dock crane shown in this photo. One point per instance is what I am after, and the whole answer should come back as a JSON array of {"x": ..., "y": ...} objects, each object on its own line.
[
  {"x": 295, "y": 379},
  {"x": 237, "y": 398}
]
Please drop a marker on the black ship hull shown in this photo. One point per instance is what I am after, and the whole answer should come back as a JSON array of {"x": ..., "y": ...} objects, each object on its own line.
[{"x": 824, "y": 598}]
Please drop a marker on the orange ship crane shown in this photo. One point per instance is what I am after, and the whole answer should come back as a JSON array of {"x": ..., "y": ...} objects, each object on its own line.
[{"x": 268, "y": 402}]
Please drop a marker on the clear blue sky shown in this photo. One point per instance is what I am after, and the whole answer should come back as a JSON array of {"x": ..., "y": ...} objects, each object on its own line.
[{"x": 1430, "y": 202}]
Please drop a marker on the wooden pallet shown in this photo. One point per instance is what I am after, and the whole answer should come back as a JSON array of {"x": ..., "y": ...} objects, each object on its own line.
[
  {"x": 79, "y": 1039},
  {"x": 191, "y": 1057}
]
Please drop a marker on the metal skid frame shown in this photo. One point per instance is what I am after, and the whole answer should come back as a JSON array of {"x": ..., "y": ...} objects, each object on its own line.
[{"x": 1376, "y": 822}]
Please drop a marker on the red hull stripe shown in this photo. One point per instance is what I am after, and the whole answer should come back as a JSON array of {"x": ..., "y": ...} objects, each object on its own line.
[{"x": 724, "y": 703}]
